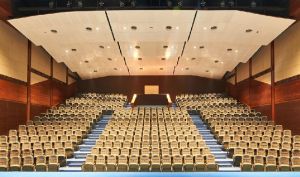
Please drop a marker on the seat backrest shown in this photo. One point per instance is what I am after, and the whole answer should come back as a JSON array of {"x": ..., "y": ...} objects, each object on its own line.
[
  {"x": 284, "y": 161},
  {"x": 271, "y": 160},
  {"x": 28, "y": 160},
  {"x": 246, "y": 159},
  {"x": 258, "y": 159},
  {"x": 295, "y": 161}
]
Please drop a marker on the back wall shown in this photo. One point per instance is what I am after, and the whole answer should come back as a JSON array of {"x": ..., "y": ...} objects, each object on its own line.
[{"x": 173, "y": 85}]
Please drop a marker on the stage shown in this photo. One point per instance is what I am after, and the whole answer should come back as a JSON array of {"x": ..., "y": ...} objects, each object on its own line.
[{"x": 151, "y": 100}]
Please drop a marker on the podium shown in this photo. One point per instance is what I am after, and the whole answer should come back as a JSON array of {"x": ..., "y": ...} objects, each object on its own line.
[{"x": 151, "y": 99}]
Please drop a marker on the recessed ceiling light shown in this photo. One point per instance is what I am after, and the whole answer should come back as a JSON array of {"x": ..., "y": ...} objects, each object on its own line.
[
  {"x": 109, "y": 59},
  {"x": 194, "y": 47},
  {"x": 130, "y": 47},
  {"x": 248, "y": 30},
  {"x": 168, "y": 28},
  {"x": 86, "y": 61},
  {"x": 229, "y": 49},
  {"x": 193, "y": 59},
  {"x": 108, "y": 47},
  {"x": 182, "y": 69},
  {"x": 141, "y": 68},
  {"x": 161, "y": 68},
  {"x": 124, "y": 28},
  {"x": 187, "y": 68},
  {"x": 163, "y": 59},
  {"x": 177, "y": 28},
  {"x": 216, "y": 61},
  {"x": 165, "y": 46},
  {"x": 74, "y": 50},
  {"x": 187, "y": 59},
  {"x": 133, "y": 27},
  {"x": 213, "y": 27},
  {"x": 236, "y": 51},
  {"x": 101, "y": 46},
  {"x": 140, "y": 59},
  {"x": 95, "y": 71},
  {"x": 137, "y": 47},
  {"x": 115, "y": 69},
  {"x": 88, "y": 28},
  {"x": 67, "y": 51},
  {"x": 222, "y": 62},
  {"x": 53, "y": 31},
  {"x": 97, "y": 28},
  {"x": 204, "y": 28},
  {"x": 201, "y": 47}
]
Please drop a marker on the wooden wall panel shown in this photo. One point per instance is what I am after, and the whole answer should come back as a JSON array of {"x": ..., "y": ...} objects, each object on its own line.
[
  {"x": 12, "y": 114},
  {"x": 287, "y": 91},
  {"x": 265, "y": 110},
  {"x": 242, "y": 89},
  {"x": 72, "y": 90},
  {"x": 13, "y": 91},
  {"x": 260, "y": 94},
  {"x": 287, "y": 114},
  {"x": 59, "y": 90},
  {"x": 231, "y": 90},
  {"x": 40, "y": 93},
  {"x": 242, "y": 72},
  {"x": 261, "y": 60},
  {"x": 173, "y": 85},
  {"x": 59, "y": 71},
  {"x": 37, "y": 110}
]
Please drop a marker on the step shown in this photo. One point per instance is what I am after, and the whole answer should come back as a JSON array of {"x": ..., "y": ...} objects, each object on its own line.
[
  {"x": 225, "y": 165},
  {"x": 93, "y": 135},
  {"x": 215, "y": 146},
  {"x": 227, "y": 160},
  {"x": 85, "y": 148},
  {"x": 229, "y": 169},
  {"x": 76, "y": 164},
  {"x": 70, "y": 169},
  {"x": 97, "y": 131},
  {"x": 73, "y": 160}
]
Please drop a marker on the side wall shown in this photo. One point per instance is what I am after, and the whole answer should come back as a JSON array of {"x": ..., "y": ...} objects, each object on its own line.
[
  {"x": 30, "y": 82},
  {"x": 173, "y": 85},
  {"x": 272, "y": 85}
]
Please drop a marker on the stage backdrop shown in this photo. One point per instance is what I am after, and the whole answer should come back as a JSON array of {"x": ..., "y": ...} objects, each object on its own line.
[{"x": 173, "y": 85}]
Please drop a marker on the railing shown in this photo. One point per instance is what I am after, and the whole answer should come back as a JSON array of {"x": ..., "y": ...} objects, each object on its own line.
[{"x": 34, "y": 7}]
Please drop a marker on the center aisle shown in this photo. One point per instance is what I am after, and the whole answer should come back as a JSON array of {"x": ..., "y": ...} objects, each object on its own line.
[
  {"x": 74, "y": 164},
  {"x": 225, "y": 163}
]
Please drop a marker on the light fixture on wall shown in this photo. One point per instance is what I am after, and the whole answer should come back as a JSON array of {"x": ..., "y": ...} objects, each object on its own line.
[
  {"x": 100, "y": 3},
  {"x": 69, "y": 4},
  {"x": 79, "y": 3},
  {"x": 253, "y": 4},
  {"x": 51, "y": 4}
]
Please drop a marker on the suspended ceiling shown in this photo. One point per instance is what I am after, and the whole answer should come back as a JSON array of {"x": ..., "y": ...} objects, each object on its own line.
[{"x": 139, "y": 42}]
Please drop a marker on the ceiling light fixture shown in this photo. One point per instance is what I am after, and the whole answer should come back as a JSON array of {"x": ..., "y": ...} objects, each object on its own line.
[
  {"x": 187, "y": 68},
  {"x": 124, "y": 28},
  {"x": 177, "y": 28},
  {"x": 95, "y": 71},
  {"x": 53, "y": 31},
  {"x": 161, "y": 68},
  {"x": 216, "y": 61},
  {"x": 201, "y": 47},
  {"x": 86, "y": 61},
  {"x": 236, "y": 51},
  {"x": 108, "y": 47},
  {"x": 213, "y": 27},
  {"x": 140, "y": 59},
  {"x": 97, "y": 28},
  {"x": 109, "y": 59},
  {"x": 193, "y": 58},
  {"x": 165, "y": 46},
  {"x": 137, "y": 47},
  {"x": 73, "y": 50},
  {"x": 229, "y": 49},
  {"x": 163, "y": 59},
  {"x": 248, "y": 30},
  {"x": 207, "y": 71},
  {"x": 88, "y": 28},
  {"x": 195, "y": 47},
  {"x": 101, "y": 46},
  {"x": 133, "y": 27},
  {"x": 115, "y": 69},
  {"x": 204, "y": 28},
  {"x": 141, "y": 68},
  {"x": 168, "y": 28},
  {"x": 67, "y": 51}
]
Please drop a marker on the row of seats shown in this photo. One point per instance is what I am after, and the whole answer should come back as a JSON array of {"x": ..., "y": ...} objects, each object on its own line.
[
  {"x": 49, "y": 139},
  {"x": 254, "y": 142},
  {"x": 160, "y": 138}
]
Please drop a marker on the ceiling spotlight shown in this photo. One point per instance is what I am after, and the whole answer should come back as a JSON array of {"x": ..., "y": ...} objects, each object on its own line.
[
  {"x": 231, "y": 3},
  {"x": 253, "y": 4},
  {"x": 88, "y": 28},
  {"x": 133, "y": 27},
  {"x": 204, "y": 28},
  {"x": 222, "y": 62},
  {"x": 67, "y": 51},
  {"x": 222, "y": 3},
  {"x": 194, "y": 47},
  {"x": 100, "y": 3},
  {"x": 97, "y": 28},
  {"x": 108, "y": 47},
  {"x": 161, "y": 68},
  {"x": 201, "y": 47},
  {"x": 69, "y": 3},
  {"x": 115, "y": 69},
  {"x": 177, "y": 28},
  {"x": 229, "y": 49},
  {"x": 165, "y": 46},
  {"x": 124, "y": 28},
  {"x": 216, "y": 61},
  {"x": 236, "y": 51},
  {"x": 137, "y": 47},
  {"x": 140, "y": 59},
  {"x": 101, "y": 46},
  {"x": 213, "y": 27},
  {"x": 79, "y": 3},
  {"x": 163, "y": 59},
  {"x": 202, "y": 3},
  {"x": 53, "y": 31},
  {"x": 168, "y": 28},
  {"x": 248, "y": 30},
  {"x": 86, "y": 61},
  {"x": 73, "y": 50},
  {"x": 109, "y": 59}
]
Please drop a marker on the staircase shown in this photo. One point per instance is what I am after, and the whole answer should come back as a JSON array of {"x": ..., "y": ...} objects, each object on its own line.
[
  {"x": 74, "y": 164},
  {"x": 225, "y": 163}
]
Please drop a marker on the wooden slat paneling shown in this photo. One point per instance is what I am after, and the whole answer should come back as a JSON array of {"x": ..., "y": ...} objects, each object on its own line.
[{"x": 13, "y": 91}]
